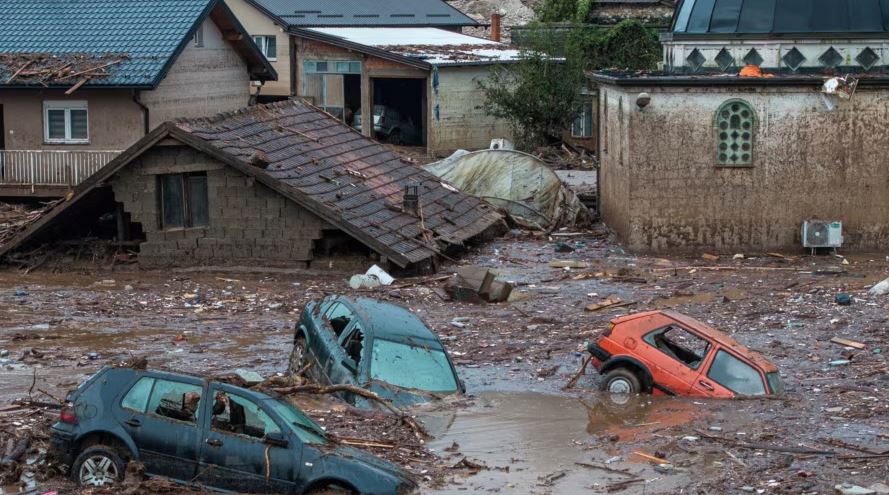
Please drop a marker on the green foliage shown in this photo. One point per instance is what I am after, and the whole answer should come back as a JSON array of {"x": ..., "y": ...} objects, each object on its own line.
[
  {"x": 628, "y": 45},
  {"x": 539, "y": 95},
  {"x": 557, "y": 10},
  {"x": 583, "y": 10}
]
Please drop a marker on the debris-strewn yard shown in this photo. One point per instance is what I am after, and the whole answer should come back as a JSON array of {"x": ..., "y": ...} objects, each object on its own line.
[{"x": 517, "y": 431}]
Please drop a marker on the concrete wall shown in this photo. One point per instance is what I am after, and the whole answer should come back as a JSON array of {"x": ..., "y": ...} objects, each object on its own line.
[
  {"x": 661, "y": 188},
  {"x": 115, "y": 121},
  {"x": 203, "y": 81},
  {"x": 258, "y": 24},
  {"x": 460, "y": 120},
  {"x": 247, "y": 220}
]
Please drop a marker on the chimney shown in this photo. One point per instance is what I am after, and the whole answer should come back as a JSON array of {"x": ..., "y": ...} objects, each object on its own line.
[
  {"x": 495, "y": 26},
  {"x": 411, "y": 202}
]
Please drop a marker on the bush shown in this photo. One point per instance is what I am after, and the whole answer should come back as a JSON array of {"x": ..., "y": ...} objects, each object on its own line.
[{"x": 628, "y": 45}]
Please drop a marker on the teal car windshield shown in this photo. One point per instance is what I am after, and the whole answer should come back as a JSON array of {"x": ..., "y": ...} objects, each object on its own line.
[
  {"x": 414, "y": 367},
  {"x": 305, "y": 428}
]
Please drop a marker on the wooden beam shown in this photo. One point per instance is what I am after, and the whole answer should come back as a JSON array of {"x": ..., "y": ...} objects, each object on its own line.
[{"x": 233, "y": 36}]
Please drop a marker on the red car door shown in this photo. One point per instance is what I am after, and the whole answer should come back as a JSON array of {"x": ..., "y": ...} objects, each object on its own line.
[
  {"x": 675, "y": 356},
  {"x": 725, "y": 375}
]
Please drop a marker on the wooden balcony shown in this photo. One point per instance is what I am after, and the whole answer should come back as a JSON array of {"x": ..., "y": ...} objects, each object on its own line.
[{"x": 44, "y": 173}]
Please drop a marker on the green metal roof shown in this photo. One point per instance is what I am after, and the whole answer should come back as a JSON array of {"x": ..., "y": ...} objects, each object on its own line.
[{"x": 148, "y": 33}]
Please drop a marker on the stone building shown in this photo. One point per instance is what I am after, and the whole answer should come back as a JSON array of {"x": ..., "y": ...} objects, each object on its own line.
[
  {"x": 744, "y": 135},
  {"x": 82, "y": 80},
  {"x": 282, "y": 184}
]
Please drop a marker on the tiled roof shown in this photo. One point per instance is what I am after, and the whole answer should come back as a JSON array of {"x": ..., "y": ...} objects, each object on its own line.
[
  {"x": 147, "y": 31},
  {"x": 302, "y": 13},
  {"x": 354, "y": 182}
]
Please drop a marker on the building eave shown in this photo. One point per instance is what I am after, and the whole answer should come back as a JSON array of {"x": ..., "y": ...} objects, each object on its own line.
[
  {"x": 365, "y": 49},
  {"x": 723, "y": 81}
]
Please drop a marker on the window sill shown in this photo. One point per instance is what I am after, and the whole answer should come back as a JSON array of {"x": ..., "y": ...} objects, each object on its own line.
[
  {"x": 719, "y": 165},
  {"x": 65, "y": 143}
]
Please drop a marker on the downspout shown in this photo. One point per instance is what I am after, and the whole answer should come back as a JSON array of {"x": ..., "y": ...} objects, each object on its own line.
[{"x": 146, "y": 122}]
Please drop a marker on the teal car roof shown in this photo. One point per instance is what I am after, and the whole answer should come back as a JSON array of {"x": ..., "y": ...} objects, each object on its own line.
[{"x": 392, "y": 322}]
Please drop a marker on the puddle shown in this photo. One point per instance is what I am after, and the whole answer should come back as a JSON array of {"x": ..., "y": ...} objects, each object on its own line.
[{"x": 541, "y": 437}]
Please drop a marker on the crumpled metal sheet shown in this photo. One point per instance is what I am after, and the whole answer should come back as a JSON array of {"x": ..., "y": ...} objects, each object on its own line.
[{"x": 516, "y": 182}]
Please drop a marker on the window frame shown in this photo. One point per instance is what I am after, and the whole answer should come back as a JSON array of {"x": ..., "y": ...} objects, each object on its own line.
[
  {"x": 188, "y": 219},
  {"x": 586, "y": 108},
  {"x": 67, "y": 106},
  {"x": 648, "y": 338},
  {"x": 754, "y": 125},
  {"x": 144, "y": 409},
  {"x": 262, "y": 42},
  {"x": 197, "y": 38},
  {"x": 196, "y": 422},
  {"x": 259, "y": 408}
]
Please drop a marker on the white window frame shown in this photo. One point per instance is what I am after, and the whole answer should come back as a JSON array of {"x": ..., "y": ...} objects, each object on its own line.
[
  {"x": 67, "y": 106},
  {"x": 198, "y": 37},
  {"x": 261, "y": 41},
  {"x": 582, "y": 117}
]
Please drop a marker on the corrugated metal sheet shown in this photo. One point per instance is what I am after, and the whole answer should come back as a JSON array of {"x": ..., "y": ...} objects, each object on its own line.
[
  {"x": 357, "y": 180},
  {"x": 302, "y": 13},
  {"x": 147, "y": 31}
]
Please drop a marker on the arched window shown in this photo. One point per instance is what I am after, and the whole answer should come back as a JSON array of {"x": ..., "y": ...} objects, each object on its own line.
[{"x": 735, "y": 123}]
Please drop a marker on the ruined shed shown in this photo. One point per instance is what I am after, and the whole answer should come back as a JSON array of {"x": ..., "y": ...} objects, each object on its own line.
[{"x": 283, "y": 183}]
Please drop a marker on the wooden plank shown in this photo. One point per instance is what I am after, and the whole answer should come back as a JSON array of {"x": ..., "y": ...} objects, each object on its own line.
[{"x": 848, "y": 343}]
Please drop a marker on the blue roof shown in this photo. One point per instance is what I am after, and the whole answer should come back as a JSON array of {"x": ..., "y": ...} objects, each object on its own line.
[
  {"x": 148, "y": 32},
  {"x": 319, "y": 13}
]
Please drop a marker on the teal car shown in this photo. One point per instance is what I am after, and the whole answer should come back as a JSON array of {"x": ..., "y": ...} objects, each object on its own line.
[{"x": 375, "y": 345}]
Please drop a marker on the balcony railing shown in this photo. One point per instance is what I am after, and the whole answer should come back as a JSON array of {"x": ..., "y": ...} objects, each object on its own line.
[{"x": 41, "y": 168}]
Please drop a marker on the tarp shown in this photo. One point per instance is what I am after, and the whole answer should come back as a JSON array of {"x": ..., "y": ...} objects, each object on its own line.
[{"x": 517, "y": 182}]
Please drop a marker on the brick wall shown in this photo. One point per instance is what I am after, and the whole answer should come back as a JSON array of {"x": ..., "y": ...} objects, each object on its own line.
[{"x": 247, "y": 220}]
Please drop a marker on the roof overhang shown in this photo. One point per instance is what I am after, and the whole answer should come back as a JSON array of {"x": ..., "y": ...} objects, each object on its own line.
[
  {"x": 233, "y": 32},
  {"x": 280, "y": 20},
  {"x": 725, "y": 81},
  {"x": 358, "y": 47}
]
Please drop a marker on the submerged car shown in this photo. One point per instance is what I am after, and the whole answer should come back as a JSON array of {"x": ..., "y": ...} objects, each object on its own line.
[
  {"x": 390, "y": 125},
  {"x": 665, "y": 352},
  {"x": 375, "y": 345},
  {"x": 206, "y": 433}
]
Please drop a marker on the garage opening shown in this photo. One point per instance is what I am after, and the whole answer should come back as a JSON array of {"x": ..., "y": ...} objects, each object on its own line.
[{"x": 400, "y": 110}]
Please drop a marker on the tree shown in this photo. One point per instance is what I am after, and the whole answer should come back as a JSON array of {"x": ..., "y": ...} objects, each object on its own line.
[
  {"x": 557, "y": 10},
  {"x": 628, "y": 45},
  {"x": 538, "y": 95}
]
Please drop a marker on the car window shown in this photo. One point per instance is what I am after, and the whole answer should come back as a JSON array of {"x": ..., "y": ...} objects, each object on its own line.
[
  {"x": 175, "y": 400},
  {"x": 237, "y": 415},
  {"x": 354, "y": 343},
  {"x": 735, "y": 375},
  {"x": 302, "y": 426},
  {"x": 137, "y": 398},
  {"x": 775, "y": 383},
  {"x": 407, "y": 366},
  {"x": 679, "y": 344},
  {"x": 338, "y": 317}
]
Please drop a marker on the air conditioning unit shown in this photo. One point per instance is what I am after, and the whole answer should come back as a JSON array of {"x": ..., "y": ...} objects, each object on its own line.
[{"x": 822, "y": 234}]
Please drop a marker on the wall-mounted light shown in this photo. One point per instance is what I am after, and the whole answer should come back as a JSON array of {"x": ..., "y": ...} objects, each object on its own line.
[{"x": 643, "y": 100}]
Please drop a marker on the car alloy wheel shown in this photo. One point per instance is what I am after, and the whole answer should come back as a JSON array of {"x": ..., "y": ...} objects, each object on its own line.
[
  {"x": 98, "y": 470},
  {"x": 298, "y": 355},
  {"x": 620, "y": 385}
]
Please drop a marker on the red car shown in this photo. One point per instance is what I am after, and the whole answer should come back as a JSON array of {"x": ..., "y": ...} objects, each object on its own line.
[{"x": 665, "y": 352}]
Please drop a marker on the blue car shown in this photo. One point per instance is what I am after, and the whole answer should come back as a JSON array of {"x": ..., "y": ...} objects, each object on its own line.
[
  {"x": 206, "y": 433},
  {"x": 375, "y": 345}
]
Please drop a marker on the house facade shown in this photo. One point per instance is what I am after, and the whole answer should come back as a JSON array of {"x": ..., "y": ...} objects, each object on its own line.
[
  {"x": 426, "y": 77},
  {"x": 69, "y": 103},
  {"x": 749, "y": 132},
  {"x": 271, "y": 22}
]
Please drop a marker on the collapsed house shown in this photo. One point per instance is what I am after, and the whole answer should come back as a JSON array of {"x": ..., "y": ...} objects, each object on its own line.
[{"x": 277, "y": 184}]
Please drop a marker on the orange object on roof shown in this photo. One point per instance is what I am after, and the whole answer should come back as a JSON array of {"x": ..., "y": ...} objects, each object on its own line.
[{"x": 753, "y": 71}]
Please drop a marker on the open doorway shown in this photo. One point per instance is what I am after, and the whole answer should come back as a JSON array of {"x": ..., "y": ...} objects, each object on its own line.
[{"x": 400, "y": 110}]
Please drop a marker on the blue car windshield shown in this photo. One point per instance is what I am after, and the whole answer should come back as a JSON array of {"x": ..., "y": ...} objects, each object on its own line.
[
  {"x": 409, "y": 366},
  {"x": 305, "y": 428}
]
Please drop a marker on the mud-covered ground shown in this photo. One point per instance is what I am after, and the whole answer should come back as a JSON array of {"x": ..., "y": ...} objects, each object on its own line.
[{"x": 515, "y": 357}]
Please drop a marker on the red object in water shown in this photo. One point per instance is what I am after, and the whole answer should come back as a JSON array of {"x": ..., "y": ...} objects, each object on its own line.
[{"x": 671, "y": 353}]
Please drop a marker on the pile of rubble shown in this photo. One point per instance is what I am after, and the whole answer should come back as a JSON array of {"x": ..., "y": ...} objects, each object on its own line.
[{"x": 15, "y": 218}]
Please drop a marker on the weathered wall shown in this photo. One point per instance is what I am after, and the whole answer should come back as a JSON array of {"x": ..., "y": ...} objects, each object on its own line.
[
  {"x": 661, "y": 189},
  {"x": 651, "y": 14},
  {"x": 247, "y": 220},
  {"x": 457, "y": 116},
  {"x": 115, "y": 121},
  {"x": 258, "y": 24},
  {"x": 203, "y": 81}
]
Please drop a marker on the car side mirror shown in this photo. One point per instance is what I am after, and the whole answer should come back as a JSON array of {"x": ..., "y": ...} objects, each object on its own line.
[
  {"x": 350, "y": 365},
  {"x": 276, "y": 438}
]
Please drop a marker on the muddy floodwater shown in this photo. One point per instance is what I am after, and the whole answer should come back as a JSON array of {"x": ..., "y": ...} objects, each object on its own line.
[
  {"x": 518, "y": 430},
  {"x": 534, "y": 442}
]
